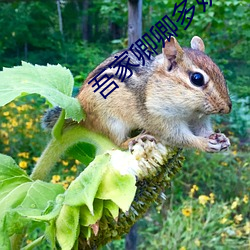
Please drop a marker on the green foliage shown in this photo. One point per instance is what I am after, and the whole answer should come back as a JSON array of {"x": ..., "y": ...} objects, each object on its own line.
[
  {"x": 19, "y": 198},
  {"x": 200, "y": 223},
  {"x": 52, "y": 82}
]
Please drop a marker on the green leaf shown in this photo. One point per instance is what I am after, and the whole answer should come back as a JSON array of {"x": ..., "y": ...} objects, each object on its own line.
[
  {"x": 83, "y": 152},
  {"x": 20, "y": 197},
  {"x": 86, "y": 218},
  {"x": 118, "y": 188},
  {"x": 50, "y": 213},
  {"x": 112, "y": 208},
  {"x": 50, "y": 234},
  {"x": 53, "y": 82},
  {"x": 39, "y": 194},
  {"x": 86, "y": 231},
  {"x": 6, "y": 186},
  {"x": 4, "y": 240},
  {"x": 14, "y": 198},
  {"x": 9, "y": 168},
  {"x": 83, "y": 189},
  {"x": 67, "y": 226}
]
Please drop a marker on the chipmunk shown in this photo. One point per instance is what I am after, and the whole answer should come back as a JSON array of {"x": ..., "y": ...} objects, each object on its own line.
[{"x": 170, "y": 98}]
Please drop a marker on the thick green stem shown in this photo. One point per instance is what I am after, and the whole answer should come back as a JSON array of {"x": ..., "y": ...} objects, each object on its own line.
[{"x": 57, "y": 147}]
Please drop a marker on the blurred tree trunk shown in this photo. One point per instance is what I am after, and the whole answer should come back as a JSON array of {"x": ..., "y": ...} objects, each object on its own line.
[
  {"x": 134, "y": 20},
  {"x": 85, "y": 20},
  {"x": 59, "y": 16},
  {"x": 131, "y": 238}
]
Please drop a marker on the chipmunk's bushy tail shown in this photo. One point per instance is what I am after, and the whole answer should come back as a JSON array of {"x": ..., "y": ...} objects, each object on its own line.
[{"x": 50, "y": 118}]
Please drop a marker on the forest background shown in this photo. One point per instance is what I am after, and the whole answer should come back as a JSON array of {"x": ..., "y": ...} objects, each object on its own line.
[{"x": 207, "y": 205}]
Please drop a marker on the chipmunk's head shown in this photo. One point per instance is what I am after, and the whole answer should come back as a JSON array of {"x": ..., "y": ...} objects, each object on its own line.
[{"x": 192, "y": 79}]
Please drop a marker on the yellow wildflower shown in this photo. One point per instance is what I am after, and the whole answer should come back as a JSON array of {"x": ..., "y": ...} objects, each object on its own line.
[
  {"x": 70, "y": 178},
  {"x": 65, "y": 185},
  {"x": 65, "y": 163},
  {"x": 12, "y": 105},
  {"x": 35, "y": 159},
  {"x": 24, "y": 155},
  {"x": 245, "y": 199},
  {"x": 73, "y": 168},
  {"x": 247, "y": 227},
  {"x": 203, "y": 199},
  {"x": 197, "y": 242},
  {"x": 77, "y": 162},
  {"x": 238, "y": 218},
  {"x": 224, "y": 164},
  {"x": 6, "y": 113},
  {"x": 14, "y": 123},
  {"x": 187, "y": 211},
  {"x": 193, "y": 190},
  {"x": 6, "y": 141},
  {"x": 29, "y": 124},
  {"x": 4, "y": 134},
  {"x": 23, "y": 107},
  {"x": 55, "y": 178},
  {"x": 234, "y": 152},
  {"x": 223, "y": 220},
  {"x": 211, "y": 195},
  {"x": 235, "y": 203},
  {"x": 183, "y": 248},
  {"x": 23, "y": 164}
]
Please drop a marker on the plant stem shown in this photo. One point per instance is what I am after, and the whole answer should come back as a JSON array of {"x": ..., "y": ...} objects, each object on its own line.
[{"x": 57, "y": 147}]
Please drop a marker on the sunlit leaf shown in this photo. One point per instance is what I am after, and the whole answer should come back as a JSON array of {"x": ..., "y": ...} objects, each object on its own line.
[
  {"x": 53, "y": 82},
  {"x": 67, "y": 226},
  {"x": 118, "y": 188},
  {"x": 83, "y": 189},
  {"x": 83, "y": 152},
  {"x": 86, "y": 218}
]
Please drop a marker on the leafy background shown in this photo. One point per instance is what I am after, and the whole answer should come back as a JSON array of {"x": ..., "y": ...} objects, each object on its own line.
[{"x": 207, "y": 205}]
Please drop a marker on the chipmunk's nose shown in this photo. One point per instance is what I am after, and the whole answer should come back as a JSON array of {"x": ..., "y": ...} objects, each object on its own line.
[{"x": 226, "y": 109}]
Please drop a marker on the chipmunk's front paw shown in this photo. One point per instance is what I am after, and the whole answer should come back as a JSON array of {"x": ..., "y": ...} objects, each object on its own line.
[
  {"x": 217, "y": 142},
  {"x": 141, "y": 139}
]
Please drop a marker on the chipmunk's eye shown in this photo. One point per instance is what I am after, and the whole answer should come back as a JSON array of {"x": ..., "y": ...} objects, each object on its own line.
[{"x": 197, "y": 79}]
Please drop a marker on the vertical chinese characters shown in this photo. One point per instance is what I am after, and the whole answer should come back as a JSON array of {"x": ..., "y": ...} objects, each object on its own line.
[{"x": 145, "y": 47}]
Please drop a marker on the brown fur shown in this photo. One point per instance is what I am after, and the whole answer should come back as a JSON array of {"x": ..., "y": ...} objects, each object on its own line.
[{"x": 160, "y": 99}]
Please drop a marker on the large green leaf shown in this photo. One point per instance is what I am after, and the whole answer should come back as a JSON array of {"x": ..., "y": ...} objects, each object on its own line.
[
  {"x": 9, "y": 168},
  {"x": 83, "y": 189},
  {"x": 20, "y": 197},
  {"x": 118, "y": 188},
  {"x": 67, "y": 226},
  {"x": 86, "y": 218},
  {"x": 83, "y": 152},
  {"x": 53, "y": 82},
  {"x": 6, "y": 186}
]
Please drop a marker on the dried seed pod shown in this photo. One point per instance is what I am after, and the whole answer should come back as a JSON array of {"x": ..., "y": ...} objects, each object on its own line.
[{"x": 156, "y": 166}]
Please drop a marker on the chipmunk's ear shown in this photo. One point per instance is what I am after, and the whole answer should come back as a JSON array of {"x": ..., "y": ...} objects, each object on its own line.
[
  {"x": 172, "y": 50},
  {"x": 197, "y": 43}
]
